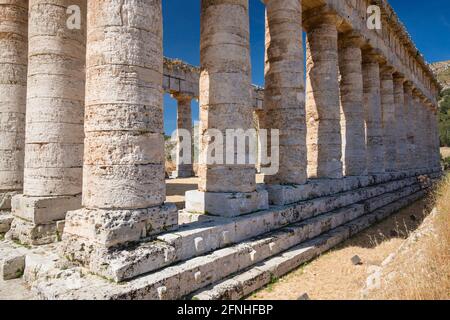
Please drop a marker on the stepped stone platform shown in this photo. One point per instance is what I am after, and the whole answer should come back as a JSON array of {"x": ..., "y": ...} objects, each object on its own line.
[{"x": 227, "y": 258}]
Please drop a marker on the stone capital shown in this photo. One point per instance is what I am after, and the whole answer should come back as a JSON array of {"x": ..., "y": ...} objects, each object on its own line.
[
  {"x": 323, "y": 15},
  {"x": 408, "y": 87},
  {"x": 399, "y": 78},
  {"x": 182, "y": 96},
  {"x": 371, "y": 55},
  {"x": 351, "y": 39},
  {"x": 386, "y": 72}
]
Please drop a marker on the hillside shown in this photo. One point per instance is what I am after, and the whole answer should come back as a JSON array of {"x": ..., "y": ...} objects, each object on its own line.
[{"x": 442, "y": 70}]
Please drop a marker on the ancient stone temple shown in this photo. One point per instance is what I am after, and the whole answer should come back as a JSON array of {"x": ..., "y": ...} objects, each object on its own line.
[{"x": 82, "y": 174}]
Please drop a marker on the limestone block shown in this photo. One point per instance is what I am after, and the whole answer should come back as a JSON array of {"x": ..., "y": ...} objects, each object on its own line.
[
  {"x": 12, "y": 266},
  {"x": 226, "y": 204},
  {"x": 5, "y": 222},
  {"x": 44, "y": 210},
  {"x": 28, "y": 233},
  {"x": 109, "y": 228}
]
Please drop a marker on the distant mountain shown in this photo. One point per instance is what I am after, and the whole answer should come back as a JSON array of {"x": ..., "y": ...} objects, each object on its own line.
[{"x": 442, "y": 70}]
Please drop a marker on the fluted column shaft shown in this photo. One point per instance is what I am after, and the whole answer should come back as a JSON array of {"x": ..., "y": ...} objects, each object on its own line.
[
  {"x": 324, "y": 139},
  {"x": 225, "y": 97},
  {"x": 184, "y": 122},
  {"x": 352, "y": 118},
  {"x": 372, "y": 108},
  {"x": 13, "y": 86},
  {"x": 409, "y": 124},
  {"x": 54, "y": 122},
  {"x": 400, "y": 123},
  {"x": 389, "y": 124},
  {"x": 124, "y": 175},
  {"x": 284, "y": 95},
  {"x": 417, "y": 125},
  {"x": 55, "y": 101}
]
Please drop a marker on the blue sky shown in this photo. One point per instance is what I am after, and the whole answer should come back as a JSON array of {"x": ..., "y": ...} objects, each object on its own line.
[{"x": 428, "y": 23}]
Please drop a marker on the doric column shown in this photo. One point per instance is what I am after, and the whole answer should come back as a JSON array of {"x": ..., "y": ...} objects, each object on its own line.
[
  {"x": 436, "y": 140},
  {"x": 227, "y": 177},
  {"x": 184, "y": 122},
  {"x": 123, "y": 178},
  {"x": 429, "y": 134},
  {"x": 400, "y": 121},
  {"x": 352, "y": 118},
  {"x": 324, "y": 139},
  {"x": 54, "y": 122},
  {"x": 389, "y": 124},
  {"x": 284, "y": 95},
  {"x": 417, "y": 127},
  {"x": 13, "y": 88},
  {"x": 372, "y": 108},
  {"x": 409, "y": 123}
]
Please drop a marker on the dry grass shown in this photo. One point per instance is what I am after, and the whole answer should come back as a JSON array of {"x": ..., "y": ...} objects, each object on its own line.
[
  {"x": 421, "y": 271},
  {"x": 445, "y": 152}
]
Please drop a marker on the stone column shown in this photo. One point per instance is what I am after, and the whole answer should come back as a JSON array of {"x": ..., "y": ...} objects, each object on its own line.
[
  {"x": 417, "y": 127},
  {"x": 284, "y": 95},
  {"x": 436, "y": 141},
  {"x": 227, "y": 187},
  {"x": 54, "y": 122},
  {"x": 409, "y": 124},
  {"x": 389, "y": 124},
  {"x": 184, "y": 122},
  {"x": 324, "y": 139},
  {"x": 123, "y": 177},
  {"x": 400, "y": 121},
  {"x": 352, "y": 117},
  {"x": 372, "y": 108},
  {"x": 429, "y": 135},
  {"x": 13, "y": 88}
]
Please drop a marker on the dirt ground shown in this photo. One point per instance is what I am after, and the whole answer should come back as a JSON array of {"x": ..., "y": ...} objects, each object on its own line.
[{"x": 332, "y": 276}]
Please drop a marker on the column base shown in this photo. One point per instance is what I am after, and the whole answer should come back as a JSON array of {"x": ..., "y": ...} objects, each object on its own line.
[
  {"x": 110, "y": 228},
  {"x": 44, "y": 210},
  {"x": 40, "y": 220},
  {"x": 226, "y": 204},
  {"x": 179, "y": 174},
  {"x": 28, "y": 233}
]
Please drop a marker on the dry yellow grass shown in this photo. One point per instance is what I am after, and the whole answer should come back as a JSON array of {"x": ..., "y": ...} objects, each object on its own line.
[
  {"x": 422, "y": 270},
  {"x": 445, "y": 152}
]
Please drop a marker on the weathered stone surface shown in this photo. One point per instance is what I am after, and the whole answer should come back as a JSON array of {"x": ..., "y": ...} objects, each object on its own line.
[
  {"x": 373, "y": 111},
  {"x": 12, "y": 266},
  {"x": 44, "y": 210},
  {"x": 324, "y": 139},
  {"x": 28, "y": 233},
  {"x": 225, "y": 91},
  {"x": 352, "y": 109},
  {"x": 401, "y": 123},
  {"x": 5, "y": 222},
  {"x": 226, "y": 204},
  {"x": 184, "y": 122},
  {"x": 284, "y": 94},
  {"x": 109, "y": 228},
  {"x": 13, "y": 87},
  {"x": 388, "y": 117}
]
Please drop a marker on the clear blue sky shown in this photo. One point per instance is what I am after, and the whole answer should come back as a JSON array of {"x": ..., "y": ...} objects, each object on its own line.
[{"x": 428, "y": 23}]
